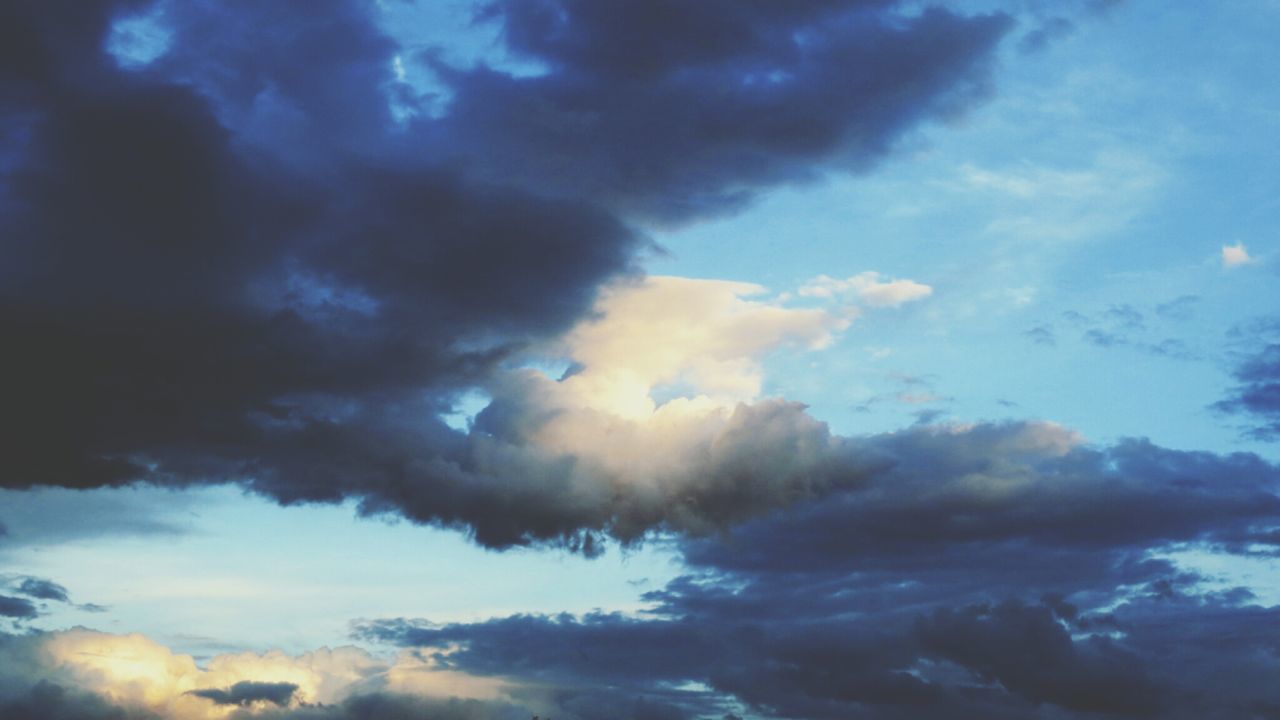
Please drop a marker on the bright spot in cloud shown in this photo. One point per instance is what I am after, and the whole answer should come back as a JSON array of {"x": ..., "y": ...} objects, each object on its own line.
[
  {"x": 705, "y": 336},
  {"x": 136, "y": 41},
  {"x": 1235, "y": 255},
  {"x": 868, "y": 288},
  {"x": 135, "y": 671}
]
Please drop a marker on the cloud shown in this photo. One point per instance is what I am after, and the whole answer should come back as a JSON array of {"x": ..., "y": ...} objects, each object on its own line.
[
  {"x": 82, "y": 673},
  {"x": 1179, "y": 309},
  {"x": 42, "y": 589},
  {"x": 17, "y": 608},
  {"x": 1235, "y": 256},
  {"x": 698, "y": 108},
  {"x": 1042, "y": 335},
  {"x": 707, "y": 336},
  {"x": 990, "y": 570},
  {"x": 223, "y": 269},
  {"x": 1006, "y": 570},
  {"x": 867, "y": 288},
  {"x": 1256, "y": 394},
  {"x": 994, "y": 643},
  {"x": 1126, "y": 326},
  {"x": 31, "y": 588},
  {"x": 247, "y": 692}
]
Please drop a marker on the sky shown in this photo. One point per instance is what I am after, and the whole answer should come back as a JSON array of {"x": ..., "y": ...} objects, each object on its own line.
[{"x": 639, "y": 359}]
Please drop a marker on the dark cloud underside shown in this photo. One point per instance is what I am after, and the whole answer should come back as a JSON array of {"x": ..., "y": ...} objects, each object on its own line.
[{"x": 248, "y": 692}]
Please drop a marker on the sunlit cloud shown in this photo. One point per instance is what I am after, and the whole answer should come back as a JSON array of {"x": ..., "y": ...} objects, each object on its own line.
[
  {"x": 705, "y": 337},
  {"x": 136, "y": 672},
  {"x": 1235, "y": 256}
]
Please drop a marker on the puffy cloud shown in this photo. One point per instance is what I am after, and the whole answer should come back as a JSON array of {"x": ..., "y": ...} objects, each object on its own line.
[
  {"x": 704, "y": 335},
  {"x": 868, "y": 288},
  {"x": 1235, "y": 256}
]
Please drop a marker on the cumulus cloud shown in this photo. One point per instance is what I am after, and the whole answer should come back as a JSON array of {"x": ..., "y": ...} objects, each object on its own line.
[
  {"x": 1235, "y": 255},
  {"x": 707, "y": 336},
  {"x": 658, "y": 424}
]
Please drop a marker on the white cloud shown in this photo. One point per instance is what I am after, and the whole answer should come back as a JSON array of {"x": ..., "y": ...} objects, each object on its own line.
[
  {"x": 135, "y": 671},
  {"x": 706, "y": 336},
  {"x": 1235, "y": 255},
  {"x": 868, "y": 288}
]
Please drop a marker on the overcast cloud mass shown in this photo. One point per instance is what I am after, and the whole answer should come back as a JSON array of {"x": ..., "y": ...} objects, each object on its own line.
[{"x": 431, "y": 262}]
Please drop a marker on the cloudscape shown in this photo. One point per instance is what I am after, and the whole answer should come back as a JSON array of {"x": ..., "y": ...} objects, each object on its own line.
[{"x": 639, "y": 360}]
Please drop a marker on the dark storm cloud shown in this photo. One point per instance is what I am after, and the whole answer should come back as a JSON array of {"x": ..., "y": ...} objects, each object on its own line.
[
  {"x": 248, "y": 692},
  {"x": 232, "y": 263},
  {"x": 187, "y": 309},
  {"x": 677, "y": 110},
  {"x": 991, "y": 571}
]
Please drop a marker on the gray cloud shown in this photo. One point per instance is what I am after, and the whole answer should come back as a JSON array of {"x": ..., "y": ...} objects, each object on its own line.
[
  {"x": 42, "y": 589},
  {"x": 248, "y": 692},
  {"x": 1256, "y": 395},
  {"x": 17, "y": 608}
]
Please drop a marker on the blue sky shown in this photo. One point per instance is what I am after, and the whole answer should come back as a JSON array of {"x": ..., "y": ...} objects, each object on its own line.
[{"x": 644, "y": 360}]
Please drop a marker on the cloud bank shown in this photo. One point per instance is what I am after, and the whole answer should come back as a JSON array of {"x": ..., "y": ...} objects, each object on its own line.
[{"x": 241, "y": 249}]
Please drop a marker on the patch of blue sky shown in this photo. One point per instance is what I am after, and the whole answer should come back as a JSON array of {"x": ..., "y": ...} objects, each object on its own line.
[
  {"x": 1223, "y": 571},
  {"x": 1107, "y": 172},
  {"x": 465, "y": 408},
  {"x": 252, "y": 575}
]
